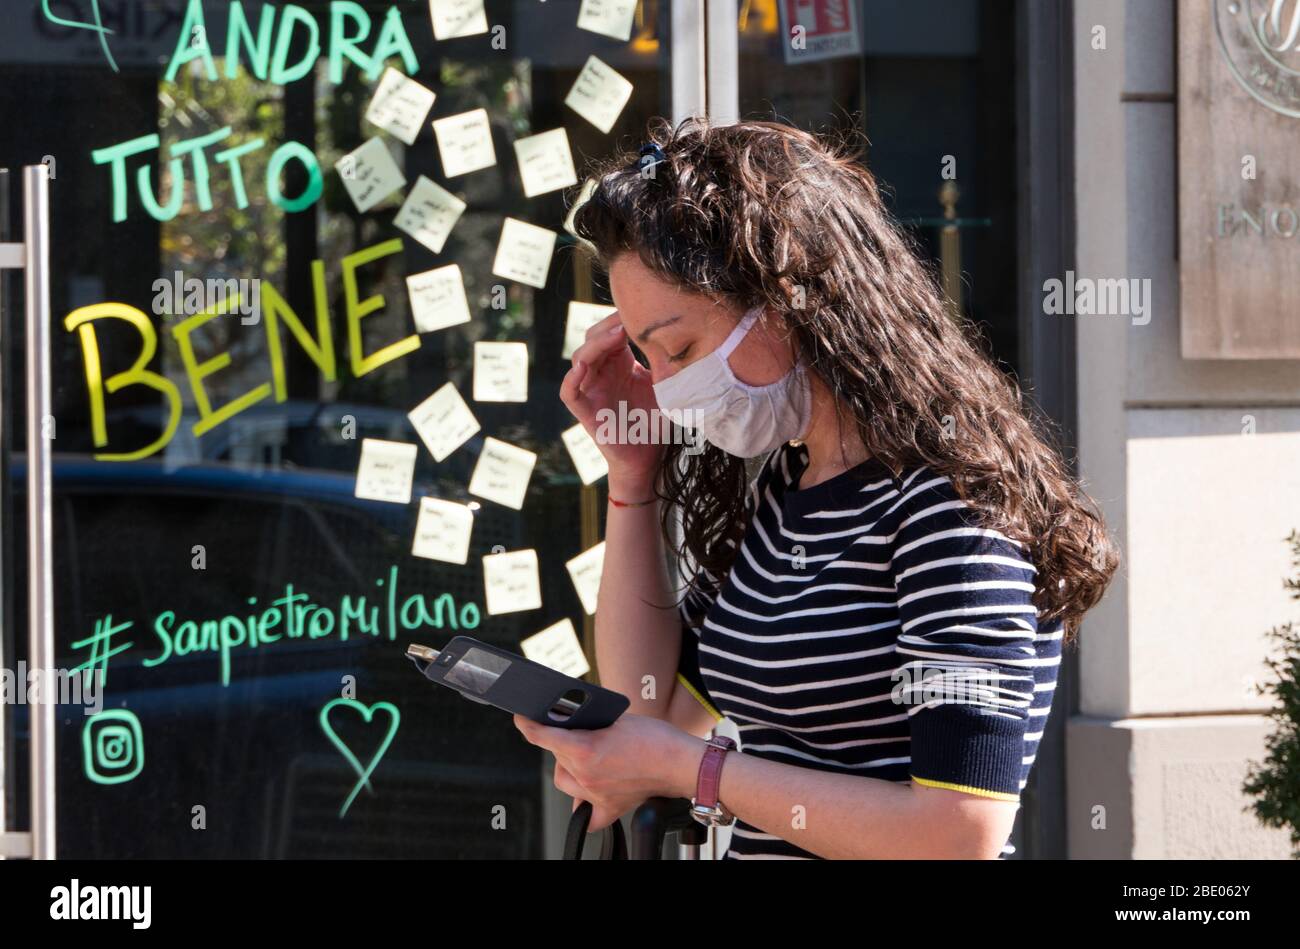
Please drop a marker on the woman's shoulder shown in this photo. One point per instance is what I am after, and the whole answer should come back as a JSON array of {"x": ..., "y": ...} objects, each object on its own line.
[
  {"x": 936, "y": 521},
  {"x": 931, "y": 514}
]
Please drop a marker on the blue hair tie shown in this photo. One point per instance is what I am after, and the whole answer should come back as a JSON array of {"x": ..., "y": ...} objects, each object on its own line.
[{"x": 651, "y": 154}]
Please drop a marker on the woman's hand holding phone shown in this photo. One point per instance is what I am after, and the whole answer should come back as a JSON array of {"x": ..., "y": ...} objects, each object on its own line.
[{"x": 606, "y": 376}]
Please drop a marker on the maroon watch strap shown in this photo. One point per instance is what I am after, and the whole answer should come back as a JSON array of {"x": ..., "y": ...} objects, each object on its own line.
[{"x": 710, "y": 776}]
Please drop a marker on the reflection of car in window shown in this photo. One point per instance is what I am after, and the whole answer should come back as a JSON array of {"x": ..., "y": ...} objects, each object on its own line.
[
  {"x": 295, "y": 435},
  {"x": 299, "y": 525},
  {"x": 126, "y": 538},
  {"x": 301, "y": 433}
]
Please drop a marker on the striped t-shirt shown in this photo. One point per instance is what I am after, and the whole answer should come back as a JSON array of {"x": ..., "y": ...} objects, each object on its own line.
[{"x": 870, "y": 626}]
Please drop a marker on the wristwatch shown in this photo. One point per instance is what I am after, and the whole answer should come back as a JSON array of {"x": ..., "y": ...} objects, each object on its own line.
[{"x": 705, "y": 806}]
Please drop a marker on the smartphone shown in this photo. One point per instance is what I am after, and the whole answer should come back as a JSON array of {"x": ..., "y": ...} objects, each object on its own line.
[{"x": 493, "y": 676}]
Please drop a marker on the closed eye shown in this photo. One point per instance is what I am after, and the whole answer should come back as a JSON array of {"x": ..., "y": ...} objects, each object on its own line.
[{"x": 680, "y": 356}]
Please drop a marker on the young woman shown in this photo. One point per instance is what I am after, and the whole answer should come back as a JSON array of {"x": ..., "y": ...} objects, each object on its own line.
[{"x": 880, "y": 609}]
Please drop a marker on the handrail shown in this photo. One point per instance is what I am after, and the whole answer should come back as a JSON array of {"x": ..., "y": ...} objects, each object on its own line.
[{"x": 40, "y": 596}]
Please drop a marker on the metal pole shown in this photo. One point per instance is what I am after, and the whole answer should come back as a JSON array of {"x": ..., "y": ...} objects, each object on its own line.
[
  {"x": 687, "y": 61},
  {"x": 723, "y": 62},
  {"x": 4, "y": 473},
  {"x": 40, "y": 560}
]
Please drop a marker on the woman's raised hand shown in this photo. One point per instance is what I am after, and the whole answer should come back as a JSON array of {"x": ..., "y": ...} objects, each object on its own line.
[{"x": 606, "y": 390}]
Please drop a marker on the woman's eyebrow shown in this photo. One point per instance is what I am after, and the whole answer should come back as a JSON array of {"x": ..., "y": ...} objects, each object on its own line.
[{"x": 645, "y": 333}]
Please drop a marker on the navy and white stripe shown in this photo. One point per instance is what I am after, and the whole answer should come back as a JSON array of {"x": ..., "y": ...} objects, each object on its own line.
[{"x": 870, "y": 626}]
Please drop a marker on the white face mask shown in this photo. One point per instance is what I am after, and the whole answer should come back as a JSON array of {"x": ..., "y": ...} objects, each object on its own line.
[{"x": 741, "y": 419}]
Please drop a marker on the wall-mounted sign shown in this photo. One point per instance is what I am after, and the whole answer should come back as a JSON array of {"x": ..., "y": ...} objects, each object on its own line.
[
  {"x": 1260, "y": 40},
  {"x": 819, "y": 29},
  {"x": 1239, "y": 178}
]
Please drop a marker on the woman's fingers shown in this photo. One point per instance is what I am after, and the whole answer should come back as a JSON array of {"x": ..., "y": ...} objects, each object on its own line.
[
  {"x": 566, "y": 782},
  {"x": 610, "y": 369},
  {"x": 571, "y": 385},
  {"x": 600, "y": 345},
  {"x": 605, "y": 358},
  {"x": 603, "y": 325},
  {"x": 571, "y": 394}
]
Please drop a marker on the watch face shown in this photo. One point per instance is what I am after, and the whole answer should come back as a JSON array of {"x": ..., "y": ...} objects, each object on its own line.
[{"x": 712, "y": 816}]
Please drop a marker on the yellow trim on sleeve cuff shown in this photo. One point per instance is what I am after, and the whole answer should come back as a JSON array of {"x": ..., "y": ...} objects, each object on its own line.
[
  {"x": 699, "y": 698},
  {"x": 966, "y": 788}
]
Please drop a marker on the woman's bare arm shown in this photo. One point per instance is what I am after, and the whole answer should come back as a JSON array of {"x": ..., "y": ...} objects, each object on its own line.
[
  {"x": 686, "y": 712},
  {"x": 638, "y": 628},
  {"x": 844, "y": 816}
]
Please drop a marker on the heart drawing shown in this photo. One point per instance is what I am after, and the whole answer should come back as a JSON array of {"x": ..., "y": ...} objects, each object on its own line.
[{"x": 367, "y": 713}]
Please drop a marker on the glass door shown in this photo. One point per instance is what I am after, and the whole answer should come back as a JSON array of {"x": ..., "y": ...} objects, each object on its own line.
[
  {"x": 927, "y": 90},
  {"x": 313, "y": 300}
]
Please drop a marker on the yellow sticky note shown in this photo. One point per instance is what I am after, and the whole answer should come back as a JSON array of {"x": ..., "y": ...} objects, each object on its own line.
[
  {"x": 500, "y": 372},
  {"x": 582, "y": 317},
  {"x": 511, "y": 582},
  {"x": 557, "y": 647},
  {"x": 524, "y": 252},
  {"x": 438, "y": 298},
  {"x": 400, "y": 105},
  {"x": 444, "y": 422},
  {"x": 452, "y": 18},
  {"x": 369, "y": 174},
  {"x": 608, "y": 17},
  {"x": 386, "y": 471},
  {"x": 585, "y": 453},
  {"x": 429, "y": 213},
  {"x": 442, "y": 531},
  {"x": 585, "y": 569},
  {"x": 545, "y": 162},
  {"x": 465, "y": 142},
  {"x": 502, "y": 473},
  {"x": 599, "y": 94}
]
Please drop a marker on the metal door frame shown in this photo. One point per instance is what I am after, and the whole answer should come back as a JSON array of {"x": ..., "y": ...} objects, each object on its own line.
[
  {"x": 32, "y": 256},
  {"x": 1045, "y": 147}
]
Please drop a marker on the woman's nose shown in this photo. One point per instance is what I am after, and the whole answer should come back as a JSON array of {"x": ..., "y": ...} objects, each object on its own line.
[{"x": 659, "y": 371}]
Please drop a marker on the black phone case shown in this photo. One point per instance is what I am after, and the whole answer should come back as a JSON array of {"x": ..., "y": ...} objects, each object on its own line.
[{"x": 531, "y": 689}]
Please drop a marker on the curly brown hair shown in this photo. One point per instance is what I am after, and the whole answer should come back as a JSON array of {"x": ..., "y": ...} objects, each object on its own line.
[{"x": 760, "y": 212}]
